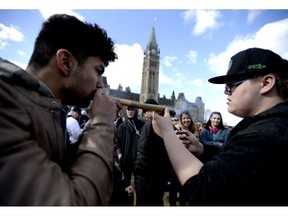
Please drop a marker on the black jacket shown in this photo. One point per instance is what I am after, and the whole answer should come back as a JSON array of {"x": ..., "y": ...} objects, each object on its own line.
[
  {"x": 152, "y": 158},
  {"x": 251, "y": 167},
  {"x": 126, "y": 143}
]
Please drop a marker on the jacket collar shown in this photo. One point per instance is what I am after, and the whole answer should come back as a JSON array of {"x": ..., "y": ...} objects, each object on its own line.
[{"x": 15, "y": 75}]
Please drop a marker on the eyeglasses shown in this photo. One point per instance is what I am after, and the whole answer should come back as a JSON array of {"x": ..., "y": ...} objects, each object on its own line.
[{"x": 230, "y": 87}]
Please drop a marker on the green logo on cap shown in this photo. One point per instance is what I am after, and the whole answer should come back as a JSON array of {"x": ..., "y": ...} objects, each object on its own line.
[{"x": 256, "y": 66}]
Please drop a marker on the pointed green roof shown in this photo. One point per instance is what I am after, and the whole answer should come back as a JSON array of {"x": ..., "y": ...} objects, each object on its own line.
[{"x": 152, "y": 40}]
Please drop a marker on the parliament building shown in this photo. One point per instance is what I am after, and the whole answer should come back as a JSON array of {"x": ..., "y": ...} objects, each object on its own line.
[{"x": 150, "y": 84}]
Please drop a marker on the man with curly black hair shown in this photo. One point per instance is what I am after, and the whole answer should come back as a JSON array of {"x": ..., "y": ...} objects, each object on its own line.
[{"x": 65, "y": 68}]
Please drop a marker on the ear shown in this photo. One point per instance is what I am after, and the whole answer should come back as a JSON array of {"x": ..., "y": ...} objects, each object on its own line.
[
  {"x": 268, "y": 83},
  {"x": 64, "y": 61}
]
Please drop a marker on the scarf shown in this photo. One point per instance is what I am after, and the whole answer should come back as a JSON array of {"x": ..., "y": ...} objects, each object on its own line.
[{"x": 213, "y": 130}]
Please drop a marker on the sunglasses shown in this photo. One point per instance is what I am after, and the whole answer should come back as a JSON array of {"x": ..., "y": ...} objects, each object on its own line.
[{"x": 230, "y": 87}]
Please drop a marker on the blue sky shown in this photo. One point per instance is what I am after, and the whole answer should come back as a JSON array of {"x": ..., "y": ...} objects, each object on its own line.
[{"x": 195, "y": 45}]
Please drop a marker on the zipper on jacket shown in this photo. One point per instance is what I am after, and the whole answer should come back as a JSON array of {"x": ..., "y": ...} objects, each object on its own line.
[{"x": 58, "y": 157}]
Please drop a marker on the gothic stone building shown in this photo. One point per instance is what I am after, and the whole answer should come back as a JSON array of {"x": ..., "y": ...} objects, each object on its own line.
[{"x": 150, "y": 84}]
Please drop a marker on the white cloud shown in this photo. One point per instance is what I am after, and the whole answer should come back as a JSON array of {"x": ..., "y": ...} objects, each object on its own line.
[
  {"x": 168, "y": 60},
  {"x": 205, "y": 20},
  {"x": 271, "y": 36},
  {"x": 19, "y": 64},
  {"x": 197, "y": 82},
  {"x": 274, "y": 36},
  {"x": 189, "y": 16},
  {"x": 22, "y": 54},
  {"x": 11, "y": 33},
  {"x": 163, "y": 78},
  {"x": 127, "y": 70},
  {"x": 47, "y": 12},
  {"x": 3, "y": 43},
  {"x": 252, "y": 15},
  {"x": 192, "y": 56}
]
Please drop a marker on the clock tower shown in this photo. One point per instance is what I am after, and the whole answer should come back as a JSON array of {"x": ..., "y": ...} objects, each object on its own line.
[{"x": 150, "y": 71}]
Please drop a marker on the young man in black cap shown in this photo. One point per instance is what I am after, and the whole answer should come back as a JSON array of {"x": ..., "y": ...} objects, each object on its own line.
[{"x": 250, "y": 167}]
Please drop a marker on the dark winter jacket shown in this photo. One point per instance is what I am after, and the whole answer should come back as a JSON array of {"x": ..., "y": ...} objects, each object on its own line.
[
  {"x": 152, "y": 168},
  {"x": 152, "y": 158},
  {"x": 126, "y": 144},
  {"x": 251, "y": 167}
]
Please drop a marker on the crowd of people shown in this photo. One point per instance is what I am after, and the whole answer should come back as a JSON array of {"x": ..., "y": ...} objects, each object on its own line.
[{"x": 64, "y": 142}]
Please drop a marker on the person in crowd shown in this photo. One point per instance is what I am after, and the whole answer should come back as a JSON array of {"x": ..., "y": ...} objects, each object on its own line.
[
  {"x": 74, "y": 131},
  {"x": 122, "y": 195},
  {"x": 214, "y": 132},
  {"x": 186, "y": 122},
  {"x": 199, "y": 127},
  {"x": 249, "y": 168},
  {"x": 175, "y": 189},
  {"x": 73, "y": 124},
  {"x": 128, "y": 134},
  {"x": 152, "y": 166},
  {"x": 119, "y": 119},
  {"x": 84, "y": 118},
  {"x": 65, "y": 68}
]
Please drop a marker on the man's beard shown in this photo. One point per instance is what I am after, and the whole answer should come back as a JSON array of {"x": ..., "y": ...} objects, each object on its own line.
[{"x": 81, "y": 102}]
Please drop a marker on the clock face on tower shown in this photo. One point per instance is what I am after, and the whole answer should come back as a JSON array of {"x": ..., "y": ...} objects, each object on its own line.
[{"x": 153, "y": 52}]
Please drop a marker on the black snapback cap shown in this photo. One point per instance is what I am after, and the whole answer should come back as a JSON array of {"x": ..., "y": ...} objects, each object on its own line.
[{"x": 250, "y": 63}]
